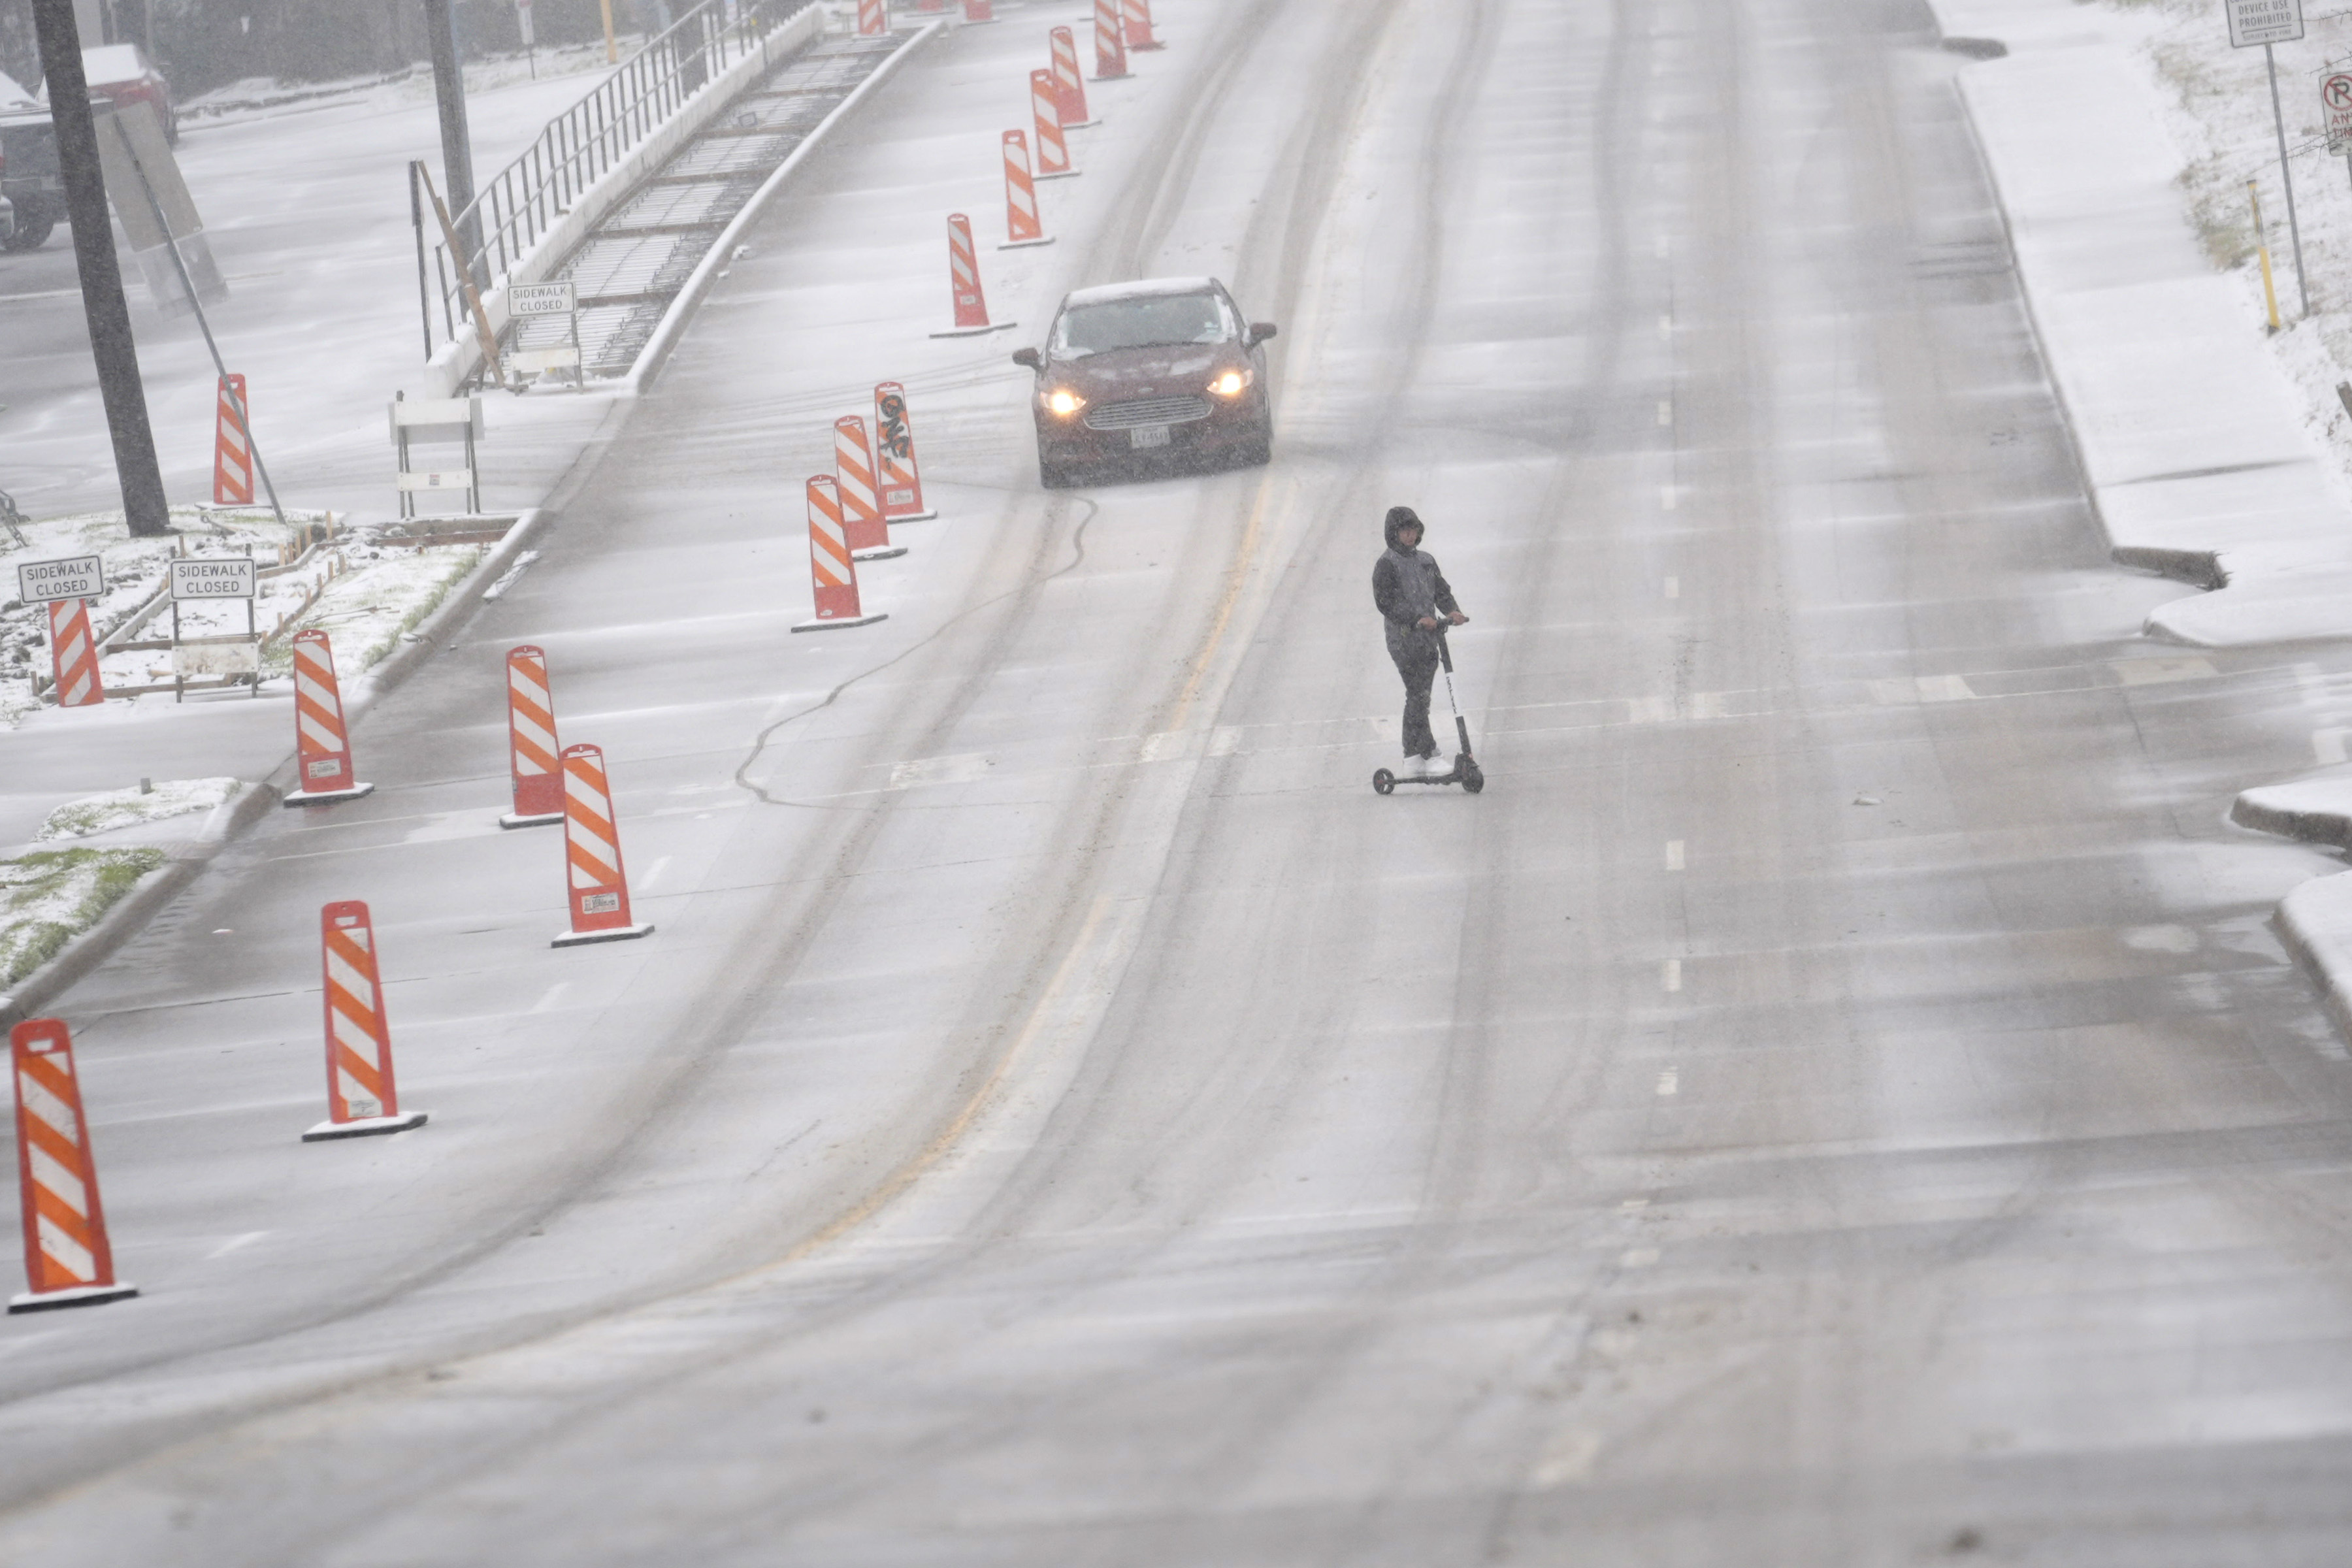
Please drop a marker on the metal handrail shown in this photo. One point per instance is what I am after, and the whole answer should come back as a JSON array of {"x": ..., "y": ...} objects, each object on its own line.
[{"x": 578, "y": 147}]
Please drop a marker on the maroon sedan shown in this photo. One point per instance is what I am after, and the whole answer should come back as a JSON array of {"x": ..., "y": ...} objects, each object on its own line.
[{"x": 1144, "y": 376}]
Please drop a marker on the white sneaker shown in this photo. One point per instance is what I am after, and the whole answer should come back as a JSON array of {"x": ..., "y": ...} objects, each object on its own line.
[{"x": 1426, "y": 767}]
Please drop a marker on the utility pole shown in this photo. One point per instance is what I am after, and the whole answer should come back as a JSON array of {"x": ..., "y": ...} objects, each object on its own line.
[
  {"x": 457, "y": 144},
  {"x": 111, "y": 343}
]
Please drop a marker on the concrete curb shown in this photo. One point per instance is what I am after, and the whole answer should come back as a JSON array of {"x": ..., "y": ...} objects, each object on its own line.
[
  {"x": 132, "y": 913},
  {"x": 2315, "y": 924},
  {"x": 682, "y": 309},
  {"x": 2314, "y": 811}
]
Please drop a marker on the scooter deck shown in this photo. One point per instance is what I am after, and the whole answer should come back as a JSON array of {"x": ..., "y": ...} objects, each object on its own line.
[{"x": 1466, "y": 771}]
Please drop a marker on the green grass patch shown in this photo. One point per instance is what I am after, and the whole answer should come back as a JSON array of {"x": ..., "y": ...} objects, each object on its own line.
[{"x": 50, "y": 897}]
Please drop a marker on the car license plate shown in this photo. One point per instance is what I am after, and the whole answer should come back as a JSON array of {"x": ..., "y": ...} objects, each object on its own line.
[{"x": 1148, "y": 435}]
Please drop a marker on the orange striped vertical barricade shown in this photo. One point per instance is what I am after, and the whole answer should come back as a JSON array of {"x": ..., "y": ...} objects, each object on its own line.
[
  {"x": 592, "y": 853},
  {"x": 873, "y": 18},
  {"x": 1111, "y": 42},
  {"x": 963, "y": 283},
  {"x": 232, "y": 456},
  {"x": 1023, "y": 227},
  {"x": 896, "y": 470},
  {"x": 73, "y": 655},
  {"x": 861, "y": 522},
  {"x": 979, "y": 11},
  {"x": 1053, "y": 148},
  {"x": 68, "y": 1262},
  {"x": 833, "y": 575},
  {"x": 322, "y": 751},
  {"x": 531, "y": 742},
  {"x": 362, "y": 1097},
  {"x": 1139, "y": 26},
  {"x": 1069, "y": 82}
]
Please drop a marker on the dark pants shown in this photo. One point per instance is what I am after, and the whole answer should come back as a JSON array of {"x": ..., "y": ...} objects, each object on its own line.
[{"x": 1416, "y": 661}]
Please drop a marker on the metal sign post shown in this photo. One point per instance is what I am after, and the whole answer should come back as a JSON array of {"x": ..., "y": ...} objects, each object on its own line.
[{"x": 2269, "y": 22}]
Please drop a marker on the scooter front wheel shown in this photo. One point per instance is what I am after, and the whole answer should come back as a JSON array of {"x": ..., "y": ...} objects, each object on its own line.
[
  {"x": 1473, "y": 779},
  {"x": 1384, "y": 781}
]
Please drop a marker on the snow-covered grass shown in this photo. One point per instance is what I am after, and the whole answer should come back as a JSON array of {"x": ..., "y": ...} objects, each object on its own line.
[
  {"x": 51, "y": 896},
  {"x": 260, "y": 93},
  {"x": 2217, "y": 112},
  {"x": 386, "y": 593},
  {"x": 124, "y": 807}
]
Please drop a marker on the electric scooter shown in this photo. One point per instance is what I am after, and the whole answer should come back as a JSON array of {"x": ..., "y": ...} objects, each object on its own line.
[{"x": 1465, "y": 771}]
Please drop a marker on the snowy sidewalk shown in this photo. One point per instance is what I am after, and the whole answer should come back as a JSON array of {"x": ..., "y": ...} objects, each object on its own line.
[{"x": 2190, "y": 435}]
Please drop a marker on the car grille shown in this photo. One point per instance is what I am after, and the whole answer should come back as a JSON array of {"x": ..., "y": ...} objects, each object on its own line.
[{"x": 1146, "y": 411}]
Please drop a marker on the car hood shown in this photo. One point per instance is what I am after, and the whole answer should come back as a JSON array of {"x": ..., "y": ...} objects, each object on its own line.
[{"x": 1171, "y": 372}]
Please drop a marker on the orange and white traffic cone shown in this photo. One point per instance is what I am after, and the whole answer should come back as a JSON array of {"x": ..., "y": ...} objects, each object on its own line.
[
  {"x": 361, "y": 1098},
  {"x": 1046, "y": 109},
  {"x": 861, "y": 522},
  {"x": 531, "y": 742},
  {"x": 979, "y": 11},
  {"x": 1069, "y": 82},
  {"x": 232, "y": 453},
  {"x": 591, "y": 852},
  {"x": 873, "y": 18},
  {"x": 1111, "y": 42},
  {"x": 833, "y": 575},
  {"x": 1023, "y": 227},
  {"x": 322, "y": 749},
  {"x": 68, "y": 1262},
  {"x": 73, "y": 655},
  {"x": 963, "y": 283},
  {"x": 896, "y": 470},
  {"x": 1139, "y": 26}
]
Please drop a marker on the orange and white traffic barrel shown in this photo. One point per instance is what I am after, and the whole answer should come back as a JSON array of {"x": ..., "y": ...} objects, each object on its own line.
[
  {"x": 861, "y": 522},
  {"x": 896, "y": 470},
  {"x": 531, "y": 745},
  {"x": 873, "y": 18},
  {"x": 833, "y": 575},
  {"x": 73, "y": 655},
  {"x": 232, "y": 454},
  {"x": 591, "y": 852},
  {"x": 323, "y": 748},
  {"x": 1138, "y": 13},
  {"x": 1023, "y": 225},
  {"x": 963, "y": 284},
  {"x": 68, "y": 1259},
  {"x": 1111, "y": 42},
  {"x": 362, "y": 1097},
  {"x": 979, "y": 11},
  {"x": 1069, "y": 82},
  {"x": 1046, "y": 109}
]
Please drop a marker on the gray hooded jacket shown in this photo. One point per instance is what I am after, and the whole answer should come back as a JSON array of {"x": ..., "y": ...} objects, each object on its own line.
[{"x": 1407, "y": 586}]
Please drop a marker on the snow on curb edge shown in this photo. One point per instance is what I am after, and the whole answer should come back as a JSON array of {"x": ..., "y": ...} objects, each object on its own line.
[
  {"x": 2313, "y": 922},
  {"x": 132, "y": 913}
]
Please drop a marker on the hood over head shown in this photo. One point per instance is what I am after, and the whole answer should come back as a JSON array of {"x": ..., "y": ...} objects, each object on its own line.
[{"x": 1401, "y": 516}]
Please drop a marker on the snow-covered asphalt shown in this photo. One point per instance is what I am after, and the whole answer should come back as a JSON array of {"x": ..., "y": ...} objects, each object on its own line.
[{"x": 1832, "y": 1100}]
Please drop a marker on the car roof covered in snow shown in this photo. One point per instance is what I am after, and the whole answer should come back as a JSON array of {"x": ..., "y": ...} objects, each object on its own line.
[
  {"x": 112, "y": 63},
  {"x": 13, "y": 97},
  {"x": 1142, "y": 288}
]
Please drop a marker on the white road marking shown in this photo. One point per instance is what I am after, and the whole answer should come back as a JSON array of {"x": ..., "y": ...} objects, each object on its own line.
[
  {"x": 1665, "y": 247},
  {"x": 1666, "y": 411},
  {"x": 233, "y": 1243},
  {"x": 1670, "y": 975},
  {"x": 1674, "y": 854},
  {"x": 2155, "y": 671},
  {"x": 1638, "y": 1257},
  {"x": 2327, "y": 745},
  {"x": 1902, "y": 692},
  {"x": 1670, "y": 1082},
  {"x": 967, "y": 768},
  {"x": 1666, "y": 500},
  {"x": 1665, "y": 326},
  {"x": 1673, "y": 587},
  {"x": 1629, "y": 1205},
  {"x": 547, "y": 1001}
]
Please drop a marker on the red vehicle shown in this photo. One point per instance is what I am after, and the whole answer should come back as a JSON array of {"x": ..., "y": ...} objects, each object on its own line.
[
  {"x": 122, "y": 74},
  {"x": 1146, "y": 375}
]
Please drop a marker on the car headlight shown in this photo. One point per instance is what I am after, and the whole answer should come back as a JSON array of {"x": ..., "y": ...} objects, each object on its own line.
[
  {"x": 1064, "y": 402},
  {"x": 1232, "y": 383}
]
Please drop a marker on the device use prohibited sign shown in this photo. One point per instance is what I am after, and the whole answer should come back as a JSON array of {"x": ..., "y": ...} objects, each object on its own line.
[{"x": 2265, "y": 22}]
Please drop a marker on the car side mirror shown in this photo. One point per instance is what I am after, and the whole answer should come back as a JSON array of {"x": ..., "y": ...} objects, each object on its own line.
[
  {"x": 1028, "y": 357},
  {"x": 1259, "y": 332}
]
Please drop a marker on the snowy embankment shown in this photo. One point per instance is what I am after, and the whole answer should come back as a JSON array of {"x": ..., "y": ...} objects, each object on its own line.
[{"x": 51, "y": 896}]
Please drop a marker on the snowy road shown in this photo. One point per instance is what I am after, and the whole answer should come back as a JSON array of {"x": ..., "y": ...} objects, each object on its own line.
[{"x": 1831, "y": 1101}]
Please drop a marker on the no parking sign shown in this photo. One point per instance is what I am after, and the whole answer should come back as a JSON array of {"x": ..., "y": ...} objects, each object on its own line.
[{"x": 2335, "y": 102}]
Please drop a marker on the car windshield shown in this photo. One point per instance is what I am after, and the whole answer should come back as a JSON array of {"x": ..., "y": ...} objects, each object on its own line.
[{"x": 1141, "y": 322}]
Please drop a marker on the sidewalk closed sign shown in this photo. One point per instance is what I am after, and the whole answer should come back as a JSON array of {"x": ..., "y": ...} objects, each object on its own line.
[
  {"x": 222, "y": 577},
  {"x": 2265, "y": 22},
  {"x": 74, "y": 577}
]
